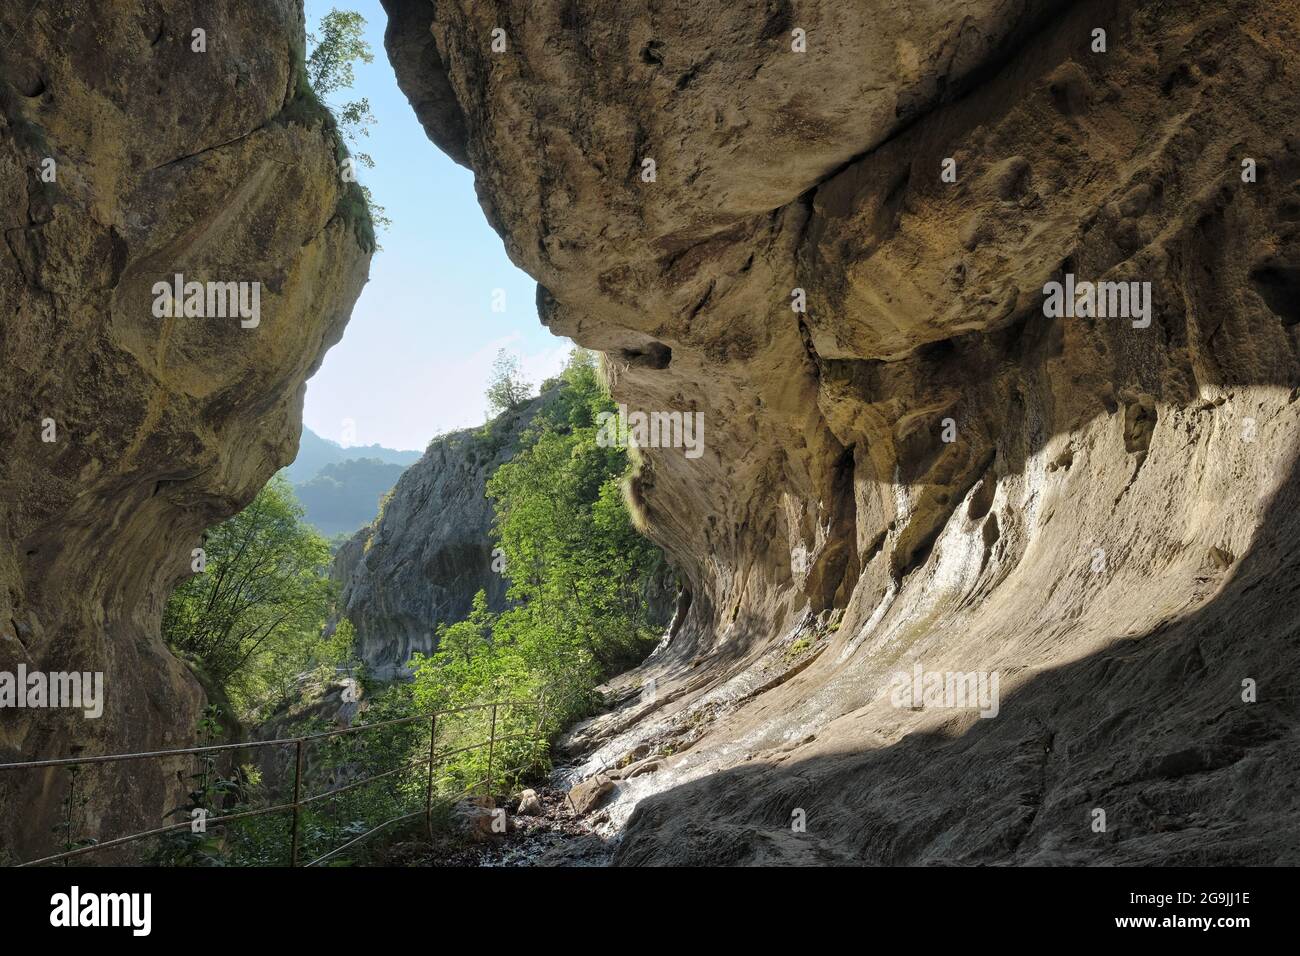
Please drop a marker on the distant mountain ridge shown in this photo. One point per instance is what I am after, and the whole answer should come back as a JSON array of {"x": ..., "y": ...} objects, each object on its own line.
[
  {"x": 345, "y": 495},
  {"x": 339, "y": 486},
  {"x": 315, "y": 452}
]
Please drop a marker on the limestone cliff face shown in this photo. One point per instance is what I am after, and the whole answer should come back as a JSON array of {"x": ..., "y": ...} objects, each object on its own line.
[
  {"x": 1111, "y": 530},
  {"x": 128, "y": 157},
  {"x": 430, "y": 551}
]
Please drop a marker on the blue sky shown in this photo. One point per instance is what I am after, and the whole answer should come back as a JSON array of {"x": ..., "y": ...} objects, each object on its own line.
[{"x": 417, "y": 353}]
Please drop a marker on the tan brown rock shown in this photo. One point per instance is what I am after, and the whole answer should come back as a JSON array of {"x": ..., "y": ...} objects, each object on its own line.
[
  {"x": 479, "y": 820},
  {"x": 589, "y": 794},
  {"x": 530, "y": 805},
  {"x": 1060, "y": 538},
  {"x": 211, "y": 165}
]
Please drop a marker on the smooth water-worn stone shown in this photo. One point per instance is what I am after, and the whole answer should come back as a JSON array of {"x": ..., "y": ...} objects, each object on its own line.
[{"x": 907, "y": 459}]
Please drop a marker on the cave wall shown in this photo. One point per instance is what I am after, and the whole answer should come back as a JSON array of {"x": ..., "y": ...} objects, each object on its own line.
[
  {"x": 1110, "y": 528},
  {"x": 1112, "y": 531},
  {"x": 167, "y": 160}
]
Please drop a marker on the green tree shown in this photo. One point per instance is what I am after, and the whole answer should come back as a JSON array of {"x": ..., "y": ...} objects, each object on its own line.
[
  {"x": 341, "y": 44},
  {"x": 335, "y": 51},
  {"x": 507, "y": 388},
  {"x": 253, "y": 617},
  {"x": 578, "y": 571}
]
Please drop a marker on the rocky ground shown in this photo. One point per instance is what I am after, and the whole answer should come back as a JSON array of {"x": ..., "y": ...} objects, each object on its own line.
[
  {"x": 912, "y": 461},
  {"x": 554, "y": 837}
]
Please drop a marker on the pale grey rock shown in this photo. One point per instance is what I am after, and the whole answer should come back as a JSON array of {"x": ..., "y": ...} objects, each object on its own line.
[
  {"x": 430, "y": 551},
  {"x": 530, "y": 805}
]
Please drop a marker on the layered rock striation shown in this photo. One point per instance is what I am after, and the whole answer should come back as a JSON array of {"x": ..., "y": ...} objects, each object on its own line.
[
  {"x": 914, "y": 462},
  {"x": 134, "y": 150}
]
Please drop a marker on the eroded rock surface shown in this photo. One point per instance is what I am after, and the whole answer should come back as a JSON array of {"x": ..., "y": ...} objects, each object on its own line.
[
  {"x": 209, "y": 164},
  {"x": 429, "y": 552},
  {"x": 431, "y": 549},
  {"x": 1112, "y": 530}
]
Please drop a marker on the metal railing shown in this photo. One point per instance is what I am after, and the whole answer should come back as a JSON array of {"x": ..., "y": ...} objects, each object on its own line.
[{"x": 299, "y": 801}]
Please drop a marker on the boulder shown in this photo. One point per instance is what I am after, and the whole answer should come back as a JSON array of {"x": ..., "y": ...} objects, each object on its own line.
[
  {"x": 529, "y": 804},
  {"x": 589, "y": 794},
  {"x": 479, "y": 820}
]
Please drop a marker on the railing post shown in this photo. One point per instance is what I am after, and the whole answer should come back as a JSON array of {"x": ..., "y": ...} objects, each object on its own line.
[
  {"x": 428, "y": 790},
  {"x": 492, "y": 740},
  {"x": 297, "y": 794}
]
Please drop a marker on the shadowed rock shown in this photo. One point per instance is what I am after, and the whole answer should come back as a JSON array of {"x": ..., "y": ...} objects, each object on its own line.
[
  {"x": 218, "y": 166},
  {"x": 908, "y": 460}
]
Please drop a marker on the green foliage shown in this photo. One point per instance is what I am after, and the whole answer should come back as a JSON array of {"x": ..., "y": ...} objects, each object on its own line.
[
  {"x": 358, "y": 209},
  {"x": 265, "y": 840},
  {"x": 384, "y": 499},
  {"x": 253, "y": 617},
  {"x": 507, "y": 388},
  {"x": 329, "y": 824},
  {"x": 798, "y": 648},
  {"x": 209, "y": 794},
  {"x": 72, "y": 816},
  {"x": 578, "y": 572},
  {"x": 340, "y": 45},
  {"x": 326, "y": 70}
]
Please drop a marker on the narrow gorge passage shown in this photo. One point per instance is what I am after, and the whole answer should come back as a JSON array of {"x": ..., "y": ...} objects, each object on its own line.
[{"x": 902, "y": 470}]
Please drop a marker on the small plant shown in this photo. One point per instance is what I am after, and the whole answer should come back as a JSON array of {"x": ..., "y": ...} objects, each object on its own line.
[
  {"x": 72, "y": 820},
  {"x": 798, "y": 648},
  {"x": 507, "y": 389},
  {"x": 329, "y": 68},
  {"x": 198, "y": 846}
]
